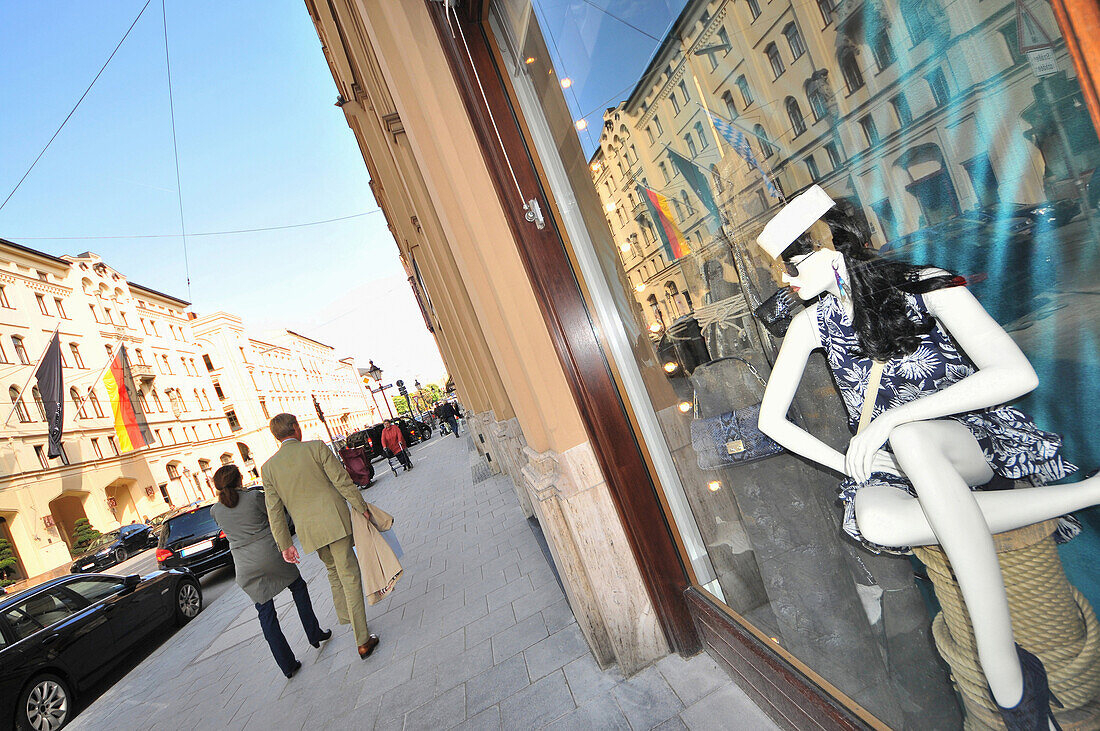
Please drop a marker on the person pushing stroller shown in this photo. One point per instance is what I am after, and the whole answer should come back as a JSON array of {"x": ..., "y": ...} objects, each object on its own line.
[{"x": 393, "y": 441}]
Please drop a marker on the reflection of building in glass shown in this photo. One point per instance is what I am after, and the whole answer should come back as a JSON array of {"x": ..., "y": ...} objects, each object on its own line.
[{"x": 902, "y": 112}]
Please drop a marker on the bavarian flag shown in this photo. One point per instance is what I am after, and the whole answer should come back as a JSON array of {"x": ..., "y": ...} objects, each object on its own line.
[
  {"x": 130, "y": 426},
  {"x": 675, "y": 243}
]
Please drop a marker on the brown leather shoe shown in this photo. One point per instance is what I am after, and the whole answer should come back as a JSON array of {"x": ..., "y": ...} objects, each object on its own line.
[{"x": 368, "y": 647}]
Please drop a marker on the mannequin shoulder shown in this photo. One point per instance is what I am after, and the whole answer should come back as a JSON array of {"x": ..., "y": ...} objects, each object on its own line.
[{"x": 804, "y": 329}]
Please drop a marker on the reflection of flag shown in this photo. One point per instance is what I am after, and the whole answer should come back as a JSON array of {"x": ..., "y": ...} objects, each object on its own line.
[
  {"x": 674, "y": 242},
  {"x": 696, "y": 180},
  {"x": 130, "y": 426},
  {"x": 740, "y": 145},
  {"x": 51, "y": 388}
]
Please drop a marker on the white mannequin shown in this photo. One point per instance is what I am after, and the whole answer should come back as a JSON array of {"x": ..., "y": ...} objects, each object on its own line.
[{"x": 940, "y": 457}]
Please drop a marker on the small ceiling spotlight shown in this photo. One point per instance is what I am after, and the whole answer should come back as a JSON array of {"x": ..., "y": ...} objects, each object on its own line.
[
  {"x": 671, "y": 367},
  {"x": 714, "y": 485},
  {"x": 684, "y": 407}
]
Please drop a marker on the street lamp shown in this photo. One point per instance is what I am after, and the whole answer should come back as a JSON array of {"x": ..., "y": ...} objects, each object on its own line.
[{"x": 376, "y": 375}]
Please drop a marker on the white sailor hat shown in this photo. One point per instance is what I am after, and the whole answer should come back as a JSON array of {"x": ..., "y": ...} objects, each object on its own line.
[{"x": 793, "y": 220}]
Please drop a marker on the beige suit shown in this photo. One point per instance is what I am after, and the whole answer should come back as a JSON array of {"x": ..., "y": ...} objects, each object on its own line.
[{"x": 311, "y": 482}]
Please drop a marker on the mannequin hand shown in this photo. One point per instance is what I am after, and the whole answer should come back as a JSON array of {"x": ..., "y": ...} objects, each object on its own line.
[
  {"x": 863, "y": 447},
  {"x": 290, "y": 555}
]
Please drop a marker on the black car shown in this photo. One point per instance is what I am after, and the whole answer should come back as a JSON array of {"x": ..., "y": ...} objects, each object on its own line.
[
  {"x": 192, "y": 540},
  {"x": 114, "y": 547},
  {"x": 59, "y": 638}
]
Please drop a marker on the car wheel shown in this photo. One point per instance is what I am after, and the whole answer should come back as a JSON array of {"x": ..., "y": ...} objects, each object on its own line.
[
  {"x": 44, "y": 705},
  {"x": 121, "y": 555},
  {"x": 188, "y": 601}
]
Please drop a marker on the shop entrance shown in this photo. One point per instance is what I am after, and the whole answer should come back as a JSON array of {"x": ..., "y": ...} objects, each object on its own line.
[
  {"x": 66, "y": 510},
  {"x": 18, "y": 570}
]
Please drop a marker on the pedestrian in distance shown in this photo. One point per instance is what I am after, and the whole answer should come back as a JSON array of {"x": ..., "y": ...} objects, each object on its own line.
[
  {"x": 308, "y": 479},
  {"x": 449, "y": 414},
  {"x": 393, "y": 439},
  {"x": 261, "y": 571}
]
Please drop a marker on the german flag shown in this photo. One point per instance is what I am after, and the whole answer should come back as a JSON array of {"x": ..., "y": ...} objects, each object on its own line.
[
  {"x": 675, "y": 243},
  {"x": 130, "y": 426}
]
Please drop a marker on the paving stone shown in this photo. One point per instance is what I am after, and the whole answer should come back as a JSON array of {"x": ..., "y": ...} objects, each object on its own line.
[
  {"x": 558, "y": 616},
  {"x": 598, "y": 714},
  {"x": 587, "y": 680},
  {"x": 487, "y": 720},
  {"x": 496, "y": 684},
  {"x": 441, "y": 712},
  {"x": 492, "y": 623},
  {"x": 692, "y": 678},
  {"x": 537, "y": 600},
  {"x": 646, "y": 699},
  {"x": 673, "y": 724},
  {"x": 428, "y": 658},
  {"x": 560, "y": 648},
  {"x": 538, "y": 704},
  {"x": 716, "y": 711},
  {"x": 518, "y": 637}
]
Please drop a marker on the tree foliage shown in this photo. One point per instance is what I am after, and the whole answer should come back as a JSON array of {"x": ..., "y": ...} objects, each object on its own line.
[
  {"x": 83, "y": 534},
  {"x": 401, "y": 405},
  {"x": 7, "y": 561}
]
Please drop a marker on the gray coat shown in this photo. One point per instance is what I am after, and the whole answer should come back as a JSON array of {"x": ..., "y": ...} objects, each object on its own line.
[{"x": 261, "y": 570}]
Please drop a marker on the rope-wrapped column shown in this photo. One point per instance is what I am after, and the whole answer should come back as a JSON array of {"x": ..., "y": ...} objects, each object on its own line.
[{"x": 1050, "y": 618}]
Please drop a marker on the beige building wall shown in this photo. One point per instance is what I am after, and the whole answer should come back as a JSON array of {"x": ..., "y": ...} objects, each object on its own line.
[{"x": 432, "y": 182}]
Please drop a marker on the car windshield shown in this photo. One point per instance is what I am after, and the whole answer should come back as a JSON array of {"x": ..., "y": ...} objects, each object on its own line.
[
  {"x": 197, "y": 522},
  {"x": 103, "y": 541}
]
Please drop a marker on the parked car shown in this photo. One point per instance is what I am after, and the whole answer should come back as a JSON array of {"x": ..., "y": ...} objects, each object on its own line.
[
  {"x": 414, "y": 431},
  {"x": 114, "y": 547},
  {"x": 59, "y": 638},
  {"x": 192, "y": 540}
]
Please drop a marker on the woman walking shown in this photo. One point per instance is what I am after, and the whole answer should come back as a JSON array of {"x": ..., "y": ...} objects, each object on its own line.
[{"x": 261, "y": 571}]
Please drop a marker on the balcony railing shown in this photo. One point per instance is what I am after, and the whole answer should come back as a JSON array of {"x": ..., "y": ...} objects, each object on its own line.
[{"x": 142, "y": 372}]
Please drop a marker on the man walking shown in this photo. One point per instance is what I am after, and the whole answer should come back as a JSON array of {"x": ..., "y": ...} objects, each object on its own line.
[
  {"x": 394, "y": 440},
  {"x": 307, "y": 478},
  {"x": 449, "y": 414}
]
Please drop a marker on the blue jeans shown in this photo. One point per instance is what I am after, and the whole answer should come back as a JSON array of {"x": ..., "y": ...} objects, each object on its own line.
[
  {"x": 273, "y": 633},
  {"x": 453, "y": 424}
]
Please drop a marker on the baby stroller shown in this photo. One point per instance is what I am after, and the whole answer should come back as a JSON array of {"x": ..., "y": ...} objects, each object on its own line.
[{"x": 358, "y": 465}]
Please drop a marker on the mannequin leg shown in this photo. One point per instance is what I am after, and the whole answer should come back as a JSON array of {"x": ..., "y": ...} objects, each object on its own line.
[{"x": 939, "y": 462}]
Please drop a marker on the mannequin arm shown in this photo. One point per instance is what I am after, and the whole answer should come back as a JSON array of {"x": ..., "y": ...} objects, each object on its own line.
[
  {"x": 801, "y": 339},
  {"x": 1003, "y": 374}
]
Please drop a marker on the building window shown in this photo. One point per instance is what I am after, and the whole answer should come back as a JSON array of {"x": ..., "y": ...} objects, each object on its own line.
[
  {"x": 156, "y": 435},
  {"x": 231, "y": 417},
  {"x": 883, "y": 51},
  {"x": 794, "y": 40},
  {"x": 937, "y": 82},
  {"x": 870, "y": 131},
  {"x": 122, "y": 315},
  {"x": 776, "y": 61},
  {"x": 140, "y": 356},
  {"x": 731, "y": 108},
  {"x": 114, "y": 445},
  {"x": 834, "y": 155},
  {"x": 811, "y": 168},
  {"x": 167, "y": 365},
  {"x": 675, "y": 103},
  {"x": 649, "y": 133},
  {"x": 684, "y": 91},
  {"x": 766, "y": 149},
  {"x": 754, "y": 8},
  {"x": 209, "y": 363},
  {"x": 743, "y": 86},
  {"x": 95, "y": 313},
  {"x": 664, "y": 171},
  {"x": 96, "y": 449},
  {"x": 4, "y": 298},
  {"x": 36, "y": 395},
  {"x": 702, "y": 135},
  {"x": 657, "y": 124},
  {"x": 20, "y": 351},
  {"x": 20, "y": 407},
  {"x": 172, "y": 470},
  {"x": 920, "y": 20},
  {"x": 206, "y": 400},
  {"x": 826, "y": 7},
  {"x": 107, "y": 314},
  {"x": 853, "y": 77},
  {"x": 60, "y": 308},
  {"x": 42, "y": 305},
  {"x": 679, "y": 211},
  {"x": 157, "y": 401},
  {"x": 724, "y": 37},
  {"x": 172, "y": 434},
  {"x": 818, "y": 106},
  {"x": 798, "y": 122},
  {"x": 94, "y": 400},
  {"x": 143, "y": 402},
  {"x": 78, "y": 362},
  {"x": 690, "y": 144},
  {"x": 901, "y": 110},
  {"x": 74, "y": 396},
  {"x": 687, "y": 203},
  {"x": 40, "y": 452},
  {"x": 4, "y": 355},
  {"x": 263, "y": 407}
]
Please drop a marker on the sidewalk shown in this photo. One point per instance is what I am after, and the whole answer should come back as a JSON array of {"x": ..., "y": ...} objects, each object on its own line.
[{"x": 477, "y": 635}]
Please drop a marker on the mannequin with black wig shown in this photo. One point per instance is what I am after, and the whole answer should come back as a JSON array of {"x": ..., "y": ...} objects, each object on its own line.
[{"x": 922, "y": 441}]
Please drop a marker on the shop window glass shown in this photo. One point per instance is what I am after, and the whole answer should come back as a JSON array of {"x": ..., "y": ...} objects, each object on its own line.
[{"x": 995, "y": 183}]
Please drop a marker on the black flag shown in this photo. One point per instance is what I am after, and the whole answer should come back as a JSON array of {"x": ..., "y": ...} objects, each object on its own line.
[{"x": 52, "y": 389}]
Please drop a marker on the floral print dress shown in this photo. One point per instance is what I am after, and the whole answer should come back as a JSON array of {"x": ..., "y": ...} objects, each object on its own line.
[{"x": 1013, "y": 445}]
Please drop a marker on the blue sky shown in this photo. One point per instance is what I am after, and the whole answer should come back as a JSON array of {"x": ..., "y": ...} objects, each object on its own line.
[{"x": 260, "y": 144}]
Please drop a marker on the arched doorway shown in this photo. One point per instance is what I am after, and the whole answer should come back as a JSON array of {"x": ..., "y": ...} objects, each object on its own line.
[
  {"x": 929, "y": 183},
  {"x": 121, "y": 503},
  {"x": 18, "y": 571},
  {"x": 246, "y": 458},
  {"x": 66, "y": 509}
]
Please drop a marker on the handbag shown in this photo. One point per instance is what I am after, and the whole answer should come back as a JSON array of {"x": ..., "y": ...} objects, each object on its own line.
[
  {"x": 733, "y": 437},
  {"x": 775, "y": 312}
]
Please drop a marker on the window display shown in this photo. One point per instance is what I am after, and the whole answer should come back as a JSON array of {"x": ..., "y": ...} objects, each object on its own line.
[{"x": 949, "y": 135}]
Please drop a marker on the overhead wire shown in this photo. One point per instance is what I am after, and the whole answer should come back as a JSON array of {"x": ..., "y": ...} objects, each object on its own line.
[
  {"x": 175, "y": 148},
  {"x": 75, "y": 106}
]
